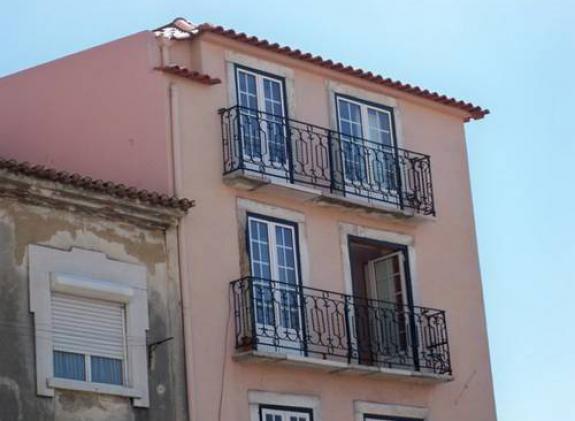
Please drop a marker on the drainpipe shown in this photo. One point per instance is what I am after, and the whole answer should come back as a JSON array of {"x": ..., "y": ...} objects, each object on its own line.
[{"x": 184, "y": 272}]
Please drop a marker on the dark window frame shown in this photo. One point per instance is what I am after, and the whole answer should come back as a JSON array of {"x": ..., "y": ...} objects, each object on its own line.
[
  {"x": 300, "y": 409},
  {"x": 276, "y": 220},
  {"x": 372, "y": 104},
  {"x": 262, "y": 73}
]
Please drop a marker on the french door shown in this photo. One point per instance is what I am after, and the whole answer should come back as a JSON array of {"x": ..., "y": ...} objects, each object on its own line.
[
  {"x": 262, "y": 121},
  {"x": 388, "y": 315},
  {"x": 275, "y": 283},
  {"x": 367, "y": 147}
]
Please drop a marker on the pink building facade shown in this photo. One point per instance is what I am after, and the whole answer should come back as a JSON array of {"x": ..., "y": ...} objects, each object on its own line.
[{"x": 329, "y": 270}]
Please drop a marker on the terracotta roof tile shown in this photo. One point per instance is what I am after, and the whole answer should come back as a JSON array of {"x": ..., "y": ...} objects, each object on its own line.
[
  {"x": 95, "y": 185},
  {"x": 189, "y": 74},
  {"x": 182, "y": 29}
]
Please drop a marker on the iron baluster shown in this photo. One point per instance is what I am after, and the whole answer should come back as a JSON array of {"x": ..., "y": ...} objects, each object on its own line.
[{"x": 313, "y": 142}]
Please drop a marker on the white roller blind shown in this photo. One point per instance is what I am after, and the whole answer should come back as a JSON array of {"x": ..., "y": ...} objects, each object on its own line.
[{"x": 88, "y": 326}]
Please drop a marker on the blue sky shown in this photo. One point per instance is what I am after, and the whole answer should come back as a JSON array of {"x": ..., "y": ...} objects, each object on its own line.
[{"x": 516, "y": 57}]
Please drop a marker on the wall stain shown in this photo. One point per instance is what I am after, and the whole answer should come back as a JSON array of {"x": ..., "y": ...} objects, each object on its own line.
[{"x": 10, "y": 400}]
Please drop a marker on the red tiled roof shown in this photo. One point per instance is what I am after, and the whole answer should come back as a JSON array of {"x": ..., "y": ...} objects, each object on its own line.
[
  {"x": 189, "y": 74},
  {"x": 183, "y": 29},
  {"x": 95, "y": 185}
]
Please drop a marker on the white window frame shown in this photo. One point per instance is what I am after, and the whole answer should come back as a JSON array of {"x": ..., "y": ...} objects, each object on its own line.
[
  {"x": 335, "y": 89},
  {"x": 367, "y": 162},
  {"x": 258, "y": 399},
  {"x": 260, "y": 77},
  {"x": 271, "y": 224},
  {"x": 372, "y": 283},
  {"x": 379, "y": 411},
  {"x": 346, "y": 230},
  {"x": 89, "y": 274},
  {"x": 364, "y": 107},
  {"x": 272, "y": 243},
  {"x": 245, "y": 206}
]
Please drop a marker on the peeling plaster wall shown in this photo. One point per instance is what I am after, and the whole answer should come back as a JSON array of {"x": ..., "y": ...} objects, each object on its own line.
[{"x": 22, "y": 225}]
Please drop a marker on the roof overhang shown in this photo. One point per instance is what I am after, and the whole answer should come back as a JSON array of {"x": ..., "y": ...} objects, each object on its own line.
[{"x": 182, "y": 29}]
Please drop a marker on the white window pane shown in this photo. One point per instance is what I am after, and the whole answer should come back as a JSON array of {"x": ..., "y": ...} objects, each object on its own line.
[
  {"x": 107, "y": 370},
  {"x": 247, "y": 90},
  {"x": 355, "y": 112},
  {"x": 350, "y": 118},
  {"x": 285, "y": 249},
  {"x": 68, "y": 365},
  {"x": 379, "y": 127},
  {"x": 260, "y": 254}
]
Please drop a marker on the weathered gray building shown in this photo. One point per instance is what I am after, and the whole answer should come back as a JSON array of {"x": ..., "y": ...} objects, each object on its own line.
[{"x": 90, "y": 308}]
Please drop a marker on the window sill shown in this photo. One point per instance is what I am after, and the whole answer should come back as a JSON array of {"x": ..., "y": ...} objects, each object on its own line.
[{"x": 106, "y": 389}]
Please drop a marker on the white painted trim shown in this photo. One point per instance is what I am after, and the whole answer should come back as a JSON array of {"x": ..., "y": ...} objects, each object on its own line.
[
  {"x": 90, "y": 288},
  {"x": 362, "y": 408},
  {"x": 232, "y": 58},
  {"x": 87, "y": 267},
  {"x": 245, "y": 206},
  {"x": 346, "y": 230},
  {"x": 257, "y": 398},
  {"x": 106, "y": 389}
]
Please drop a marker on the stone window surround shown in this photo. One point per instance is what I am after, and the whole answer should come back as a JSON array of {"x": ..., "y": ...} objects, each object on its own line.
[
  {"x": 89, "y": 274},
  {"x": 363, "y": 408},
  {"x": 346, "y": 230}
]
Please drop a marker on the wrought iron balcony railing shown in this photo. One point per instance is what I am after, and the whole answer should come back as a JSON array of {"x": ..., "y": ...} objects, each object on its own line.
[
  {"x": 303, "y": 153},
  {"x": 279, "y": 317}
]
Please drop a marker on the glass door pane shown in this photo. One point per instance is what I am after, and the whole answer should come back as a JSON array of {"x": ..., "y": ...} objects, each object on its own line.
[
  {"x": 287, "y": 275},
  {"x": 249, "y": 122},
  {"x": 262, "y": 120},
  {"x": 350, "y": 126},
  {"x": 388, "y": 315},
  {"x": 382, "y": 159},
  {"x": 273, "y": 254},
  {"x": 261, "y": 270},
  {"x": 275, "y": 127}
]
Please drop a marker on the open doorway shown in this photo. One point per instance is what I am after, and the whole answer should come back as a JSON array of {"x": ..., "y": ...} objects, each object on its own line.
[{"x": 382, "y": 301}]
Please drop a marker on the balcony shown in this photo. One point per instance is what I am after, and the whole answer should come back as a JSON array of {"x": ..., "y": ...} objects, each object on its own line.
[
  {"x": 261, "y": 149},
  {"x": 340, "y": 333}
]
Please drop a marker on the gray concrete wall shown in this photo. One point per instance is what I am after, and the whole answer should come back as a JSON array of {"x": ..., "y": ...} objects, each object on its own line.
[{"x": 23, "y": 223}]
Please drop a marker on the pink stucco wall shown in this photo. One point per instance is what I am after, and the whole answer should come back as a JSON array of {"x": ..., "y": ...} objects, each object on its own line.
[
  {"x": 446, "y": 267},
  {"x": 101, "y": 112}
]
